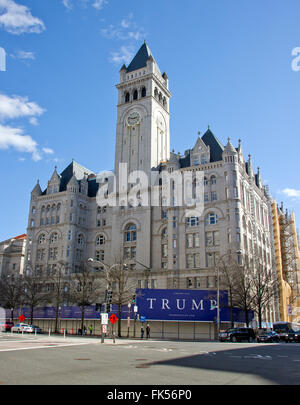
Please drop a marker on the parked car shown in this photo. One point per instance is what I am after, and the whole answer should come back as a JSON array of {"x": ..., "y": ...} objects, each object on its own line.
[
  {"x": 268, "y": 337},
  {"x": 237, "y": 335},
  {"x": 19, "y": 327},
  {"x": 33, "y": 329},
  {"x": 26, "y": 328},
  {"x": 6, "y": 326},
  {"x": 293, "y": 336}
]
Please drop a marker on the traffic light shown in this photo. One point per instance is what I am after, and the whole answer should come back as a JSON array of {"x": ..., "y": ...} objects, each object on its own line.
[
  {"x": 106, "y": 308},
  {"x": 108, "y": 296},
  {"x": 133, "y": 301}
]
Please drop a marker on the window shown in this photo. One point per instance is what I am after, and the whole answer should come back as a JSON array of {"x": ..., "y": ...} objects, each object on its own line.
[
  {"x": 212, "y": 238},
  {"x": 135, "y": 95},
  {"x": 99, "y": 255},
  {"x": 213, "y": 180},
  {"x": 127, "y": 98},
  {"x": 214, "y": 196},
  {"x": 42, "y": 239},
  {"x": 80, "y": 239},
  {"x": 192, "y": 221},
  {"x": 212, "y": 259},
  {"x": 144, "y": 92},
  {"x": 100, "y": 240},
  {"x": 211, "y": 219},
  {"x": 130, "y": 233},
  {"x": 53, "y": 238}
]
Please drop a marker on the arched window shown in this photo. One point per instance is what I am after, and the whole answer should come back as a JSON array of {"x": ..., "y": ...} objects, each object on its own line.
[
  {"x": 135, "y": 95},
  {"x": 130, "y": 233},
  {"x": 80, "y": 239},
  {"x": 144, "y": 92},
  {"x": 213, "y": 179},
  {"x": 100, "y": 240},
  {"x": 53, "y": 238},
  {"x": 42, "y": 239},
  {"x": 127, "y": 97},
  {"x": 211, "y": 219}
]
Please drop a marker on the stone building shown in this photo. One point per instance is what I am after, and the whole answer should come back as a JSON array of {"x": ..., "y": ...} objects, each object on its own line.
[
  {"x": 12, "y": 253},
  {"x": 165, "y": 243}
]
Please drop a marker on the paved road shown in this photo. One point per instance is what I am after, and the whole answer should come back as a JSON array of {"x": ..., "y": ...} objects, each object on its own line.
[{"x": 84, "y": 360}]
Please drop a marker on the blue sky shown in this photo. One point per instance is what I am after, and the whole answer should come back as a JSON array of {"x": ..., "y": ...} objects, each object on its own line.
[{"x": 229, "y": 63}]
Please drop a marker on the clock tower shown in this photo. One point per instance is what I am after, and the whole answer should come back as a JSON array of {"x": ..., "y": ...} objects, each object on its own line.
[{"x": 143, "y": 132}]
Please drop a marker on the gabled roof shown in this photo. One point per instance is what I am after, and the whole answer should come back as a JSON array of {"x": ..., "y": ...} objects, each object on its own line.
[
  {"x": 216, "y": 148},
  {"x": 75, "y": 169},
  {"x": 140, "y": 59}
]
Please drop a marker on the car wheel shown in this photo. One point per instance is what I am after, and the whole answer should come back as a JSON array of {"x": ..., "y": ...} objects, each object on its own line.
[{"x": 234, "y": 339}]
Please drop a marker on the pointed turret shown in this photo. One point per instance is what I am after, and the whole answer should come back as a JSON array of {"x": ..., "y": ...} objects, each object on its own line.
[
  {"x": 54, "y": 183},
  {"x": 37, "y": 191},
  {"x": 141, "y": 58}
]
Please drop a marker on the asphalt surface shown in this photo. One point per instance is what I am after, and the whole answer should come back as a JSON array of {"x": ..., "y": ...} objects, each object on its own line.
[{"x": 55, "y": 360}]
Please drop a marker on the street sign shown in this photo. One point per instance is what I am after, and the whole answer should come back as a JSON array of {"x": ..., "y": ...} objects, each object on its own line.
[
  {"x": 135, "y": 309},
  {"x": 113, "y": 319},
  {"x": 104, "y": 319},
  {"x": 22, "y": 318},
  {"x": 143, "y": 318},
  {"x": 104, "y": 328}
]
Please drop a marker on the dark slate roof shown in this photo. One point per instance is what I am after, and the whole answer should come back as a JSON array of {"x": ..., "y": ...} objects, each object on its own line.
[
  {"x": 140, "y": 59},
  {"x": 185, "y": 161},
  {"x": 93, "y": 187},
  {"x": 216, "y": 148}
]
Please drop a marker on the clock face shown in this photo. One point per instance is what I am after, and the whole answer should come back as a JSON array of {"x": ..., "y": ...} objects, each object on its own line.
[{"x": 133, "y": 118}]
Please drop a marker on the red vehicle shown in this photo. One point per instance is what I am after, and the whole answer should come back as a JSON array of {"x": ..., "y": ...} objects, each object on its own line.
[{"x": 6, "y": 326}]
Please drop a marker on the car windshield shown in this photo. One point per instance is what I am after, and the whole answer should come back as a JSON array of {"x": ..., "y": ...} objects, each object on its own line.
[{"x": 230, "y": 330}]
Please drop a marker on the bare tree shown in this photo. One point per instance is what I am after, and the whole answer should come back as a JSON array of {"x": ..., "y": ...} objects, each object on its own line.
[
  {"x": 32, "y": 292},
  {"x": 58, "y": 289},
  {"x": 85, "y": 288},
  {"x": 228, "y": 271},
  {"x": 10, "y": 291},
  {"x": 119, "y": 278},
  {"x": 242, "y": 290},
  {"x": 263, "y": 288}
]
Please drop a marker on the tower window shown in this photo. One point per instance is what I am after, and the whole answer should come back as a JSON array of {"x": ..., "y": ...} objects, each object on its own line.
[
  {"x": 127, "y": 98},
  {"x": 144, "y": 92},
  {"x": 135, "y": 95}
]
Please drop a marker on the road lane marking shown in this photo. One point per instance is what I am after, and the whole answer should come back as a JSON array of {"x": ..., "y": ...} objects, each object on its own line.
[{"x": 50, "y": 345}]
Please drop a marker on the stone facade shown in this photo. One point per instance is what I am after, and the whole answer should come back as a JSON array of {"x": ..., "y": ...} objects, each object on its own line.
[
  {"x": 163, "y": 244},
  {"x": 12, "y": 253}
]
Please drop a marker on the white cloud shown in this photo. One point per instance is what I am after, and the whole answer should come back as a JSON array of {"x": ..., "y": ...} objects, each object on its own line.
[
  {"x": 33, "y": 121},
  {"x": 17, "y": 107},
  {"x": 15, "y": 138},
  {"x": 17, "y": 19},
  {"x": 98, "y": 4},
  {"x": 48, "y": 151},
  {"x": 68, "y": 4},
  {"x": 24, "y": 55},
  {"x": 12, "y": 108},
  {"x": 291, "y": 192},
  {"x": 124, "y": 55}
]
